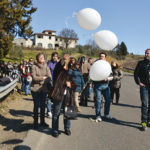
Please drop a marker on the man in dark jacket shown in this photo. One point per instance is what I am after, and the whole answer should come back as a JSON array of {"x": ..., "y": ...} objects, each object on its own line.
[{"x": 142, "y": 78}]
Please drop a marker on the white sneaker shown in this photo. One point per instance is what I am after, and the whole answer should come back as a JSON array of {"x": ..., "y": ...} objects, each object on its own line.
[
  {"x": 98, "y": 120},
  {"x": 108, "y": 117},
  {"x": 49, "y": 115}
]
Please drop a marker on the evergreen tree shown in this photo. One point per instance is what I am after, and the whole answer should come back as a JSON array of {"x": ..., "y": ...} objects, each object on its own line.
[
  {"x": 123, "y": 49},
  {"x": 118, "y": 50},
  {"x": 15, "y": 17}
]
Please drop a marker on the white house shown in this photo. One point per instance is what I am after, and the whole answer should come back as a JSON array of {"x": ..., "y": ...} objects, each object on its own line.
[
  {"x": 48, "y": 39},
  {"x": 23, "y": 42}
]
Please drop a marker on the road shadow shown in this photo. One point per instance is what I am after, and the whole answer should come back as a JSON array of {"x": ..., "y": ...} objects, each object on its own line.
[
  {"x": 126, "y": 105},
  {"x": 14, "y": 124},
  {"x": 13, "y": 141},
  {"x": 28, "y": 99},
  {"x": 20, "y": 113},
  {"x": 122, "y": 123},
  {"x": 113, "y": 121},
  {"x": 22, "y": 147}
]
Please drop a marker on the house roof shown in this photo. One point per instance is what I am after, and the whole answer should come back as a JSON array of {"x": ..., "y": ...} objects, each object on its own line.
[
  {"x": 43, "y": 34},
  {"x": 48, "y": 31}
]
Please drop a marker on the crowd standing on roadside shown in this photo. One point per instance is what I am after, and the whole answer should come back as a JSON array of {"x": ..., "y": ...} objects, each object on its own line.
[{"x": 69, "y": 81}]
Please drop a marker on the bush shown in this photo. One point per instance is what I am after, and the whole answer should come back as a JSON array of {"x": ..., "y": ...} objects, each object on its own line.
[{"x": 16, "y": 51}]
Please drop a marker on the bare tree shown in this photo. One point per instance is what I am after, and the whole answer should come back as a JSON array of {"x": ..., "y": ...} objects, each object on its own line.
[{"x": 68, "y": 36}]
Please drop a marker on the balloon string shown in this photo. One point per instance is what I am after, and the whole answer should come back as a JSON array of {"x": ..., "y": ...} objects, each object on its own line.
[
  {"x": 73, "y": 15},
  {"x": 87, "y": 35}
]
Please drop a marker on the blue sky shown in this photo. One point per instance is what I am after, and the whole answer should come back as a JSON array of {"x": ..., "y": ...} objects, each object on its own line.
[{"x": 128, "y": 19}]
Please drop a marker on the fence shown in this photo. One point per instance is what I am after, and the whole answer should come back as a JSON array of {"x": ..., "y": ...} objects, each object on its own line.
[
  {"x": 4, "y": 90},
  {"x": 129, "y": 68}
]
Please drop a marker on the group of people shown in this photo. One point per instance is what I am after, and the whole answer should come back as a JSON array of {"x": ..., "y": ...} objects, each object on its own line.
[
  {"x": 68, "y": 81},
  {"x": 9, "y": 69}
]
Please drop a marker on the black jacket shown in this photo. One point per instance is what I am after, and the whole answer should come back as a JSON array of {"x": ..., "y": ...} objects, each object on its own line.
[{"x": 141, "y": 73}]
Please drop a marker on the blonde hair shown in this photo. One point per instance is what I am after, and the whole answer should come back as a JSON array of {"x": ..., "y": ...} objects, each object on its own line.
[{"x": 119, "y": 66}]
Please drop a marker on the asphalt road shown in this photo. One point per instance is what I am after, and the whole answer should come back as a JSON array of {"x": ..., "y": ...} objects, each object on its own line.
[{"x": 121, "y": 133}]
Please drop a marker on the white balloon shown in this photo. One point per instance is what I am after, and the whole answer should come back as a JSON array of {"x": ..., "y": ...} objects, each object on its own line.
[
  {"x": 106, "y": 39},
  {"x": 100, "y": 70},
  {"x": 88, "y": 19}
]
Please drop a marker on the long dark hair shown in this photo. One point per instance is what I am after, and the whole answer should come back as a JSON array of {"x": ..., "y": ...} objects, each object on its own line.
[{"x": 77, "y": 63}]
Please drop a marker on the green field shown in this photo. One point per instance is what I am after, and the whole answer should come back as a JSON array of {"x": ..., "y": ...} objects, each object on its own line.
[{"x": 32, "y": 54}]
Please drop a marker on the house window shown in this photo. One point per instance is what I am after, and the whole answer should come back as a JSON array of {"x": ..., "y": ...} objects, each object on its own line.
[
  {"x": 50, "y": 45},
  {"x": 40, "y": 37},
  {"x": 56, "y": 39},
  {"x": 39, "y": 44},
  {"x": 21, "y": 44},
  {"x": 49, "y": 37},
  {"x": 60, "y": 39},
  {"x": 49, "y": 32}
]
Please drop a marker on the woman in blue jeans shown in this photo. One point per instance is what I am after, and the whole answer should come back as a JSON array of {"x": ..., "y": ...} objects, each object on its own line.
[
  {"x": 40, "y": 77},
  {"x": 60, "y": 94}
]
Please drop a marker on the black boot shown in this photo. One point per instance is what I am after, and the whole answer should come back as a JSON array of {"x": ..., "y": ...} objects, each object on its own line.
[
  {"x": 81, "y": 102},
  {"x": 43, "y": 122},
  {"x": 86, "y": 100},
  {"x": 36, "y": 123}
]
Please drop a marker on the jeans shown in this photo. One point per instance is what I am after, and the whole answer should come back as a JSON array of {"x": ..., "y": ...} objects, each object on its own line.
[
  {"x": 39, "y": 97},
  {"x": 115, "y": 91},
  {"x": 99, "y": 91},
  {"x": 49, "y": 105},
  {"x": 145, "y": 99},
  {"x": 89, "y": 92},
  {"x": 15, "y": 71},
  {"x": 27, "y": 87},
  {"x": 55, "y": 119},
  {"x": 23, "y": 84}
]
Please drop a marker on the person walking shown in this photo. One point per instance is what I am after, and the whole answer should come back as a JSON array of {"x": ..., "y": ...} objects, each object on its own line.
[
  {"x": 41, "y": 76},
  {"x": 85, "y": 68},
  {"x": 61, "y": 94},
  {"x": 142, "y": 78},
  {"x": 101, "y": 88},
  {"x": 75, "y": 72},
  {"x": 115, "y": 84},
  {"x": 51, "y": 65}
]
